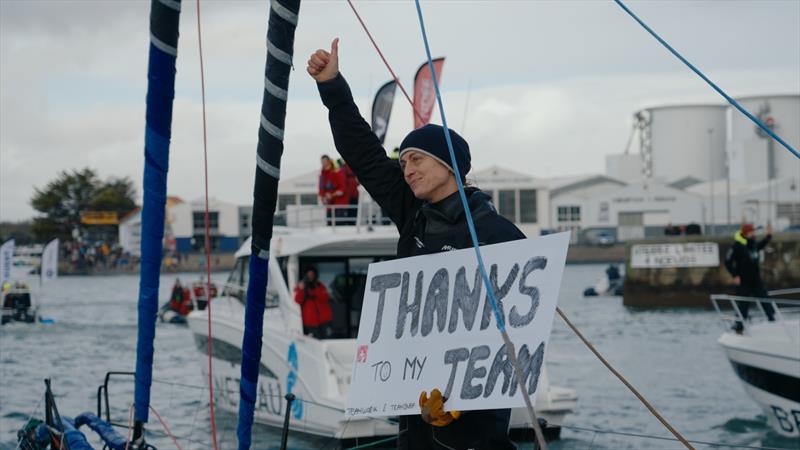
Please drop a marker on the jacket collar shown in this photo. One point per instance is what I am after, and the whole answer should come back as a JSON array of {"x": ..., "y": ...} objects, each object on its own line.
[
  {"x": 450, "y": 209},
  {"x": 739, "y": 238}
]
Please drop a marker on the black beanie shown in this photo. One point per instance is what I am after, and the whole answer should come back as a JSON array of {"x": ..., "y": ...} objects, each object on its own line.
[{"x": 431, "y": 141}]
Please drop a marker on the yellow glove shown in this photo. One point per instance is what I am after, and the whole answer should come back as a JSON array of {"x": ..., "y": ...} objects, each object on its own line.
[{"x": 432, "y": 409}]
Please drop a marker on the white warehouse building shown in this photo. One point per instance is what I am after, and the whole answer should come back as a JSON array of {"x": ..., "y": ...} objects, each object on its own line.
[{"x": 188, "y": 225}]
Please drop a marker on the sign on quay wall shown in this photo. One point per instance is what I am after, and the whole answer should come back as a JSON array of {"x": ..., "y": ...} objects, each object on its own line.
[
  {"x": 427, "y": 323},
  {"x": 687, "y": 254}
]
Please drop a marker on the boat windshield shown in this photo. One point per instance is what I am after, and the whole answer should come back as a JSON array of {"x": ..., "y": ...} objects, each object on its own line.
[{"x": 236, "y": 286}]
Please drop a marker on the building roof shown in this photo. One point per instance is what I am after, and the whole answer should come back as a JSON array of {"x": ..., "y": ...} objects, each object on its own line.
[
  {"x": 174, "y": 200},
  {"x": 685, "y": 182},
  {"x": 736, "y": 188},
  {"x": 559, "y": 186},
  {"x": 304, "y": 182},
  {"x": 134, "y": 213},
  {"x": 496, "y": 175}
]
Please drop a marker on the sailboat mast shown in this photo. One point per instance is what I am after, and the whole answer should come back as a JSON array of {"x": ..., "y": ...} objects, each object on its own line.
[
  {"x": 163, "y": 51},
  {"x": 280, "y": 46}
]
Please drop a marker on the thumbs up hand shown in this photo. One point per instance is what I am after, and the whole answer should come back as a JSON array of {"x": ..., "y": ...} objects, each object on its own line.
[{"x": 323, "y": 65}]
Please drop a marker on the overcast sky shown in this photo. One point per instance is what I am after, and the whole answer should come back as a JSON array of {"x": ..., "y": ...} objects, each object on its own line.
[{"x": 551, "y": 85}]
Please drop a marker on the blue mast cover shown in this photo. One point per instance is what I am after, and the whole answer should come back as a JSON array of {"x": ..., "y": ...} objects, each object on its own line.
[
  {"x": 280, "y": 44},
  {"x": 164, "y": 16}
]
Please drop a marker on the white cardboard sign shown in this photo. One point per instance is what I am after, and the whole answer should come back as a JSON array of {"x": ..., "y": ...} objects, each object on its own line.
[
  {"x": 427, "y": 323},
  {"x": 686, "y": 254}
]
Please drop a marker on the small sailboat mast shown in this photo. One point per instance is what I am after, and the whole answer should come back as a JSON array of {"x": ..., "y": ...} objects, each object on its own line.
[
  {"x": 280, "y": 44},
  {"x": 163, "y": 51}
]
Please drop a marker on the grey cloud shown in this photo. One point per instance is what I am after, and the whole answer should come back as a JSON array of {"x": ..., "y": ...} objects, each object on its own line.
[{"x": 553, "y": 83}]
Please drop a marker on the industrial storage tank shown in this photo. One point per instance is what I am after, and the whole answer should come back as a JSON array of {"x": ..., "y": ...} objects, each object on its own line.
[
  {"x": 624, "y": 166},
  {"x": 684, "y": 141},
  {"x": 749, "y": 148}
]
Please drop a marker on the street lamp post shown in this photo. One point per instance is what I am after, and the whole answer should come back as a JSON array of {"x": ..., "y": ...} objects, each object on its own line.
[
  {"x": 728, "y": 186},
  {"x": 711, "y": 176},
  {"x": 769, "y": 121}
]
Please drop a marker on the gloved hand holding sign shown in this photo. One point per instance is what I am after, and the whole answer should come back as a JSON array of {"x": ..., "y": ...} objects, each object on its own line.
[{"x": 432, "y": 409}]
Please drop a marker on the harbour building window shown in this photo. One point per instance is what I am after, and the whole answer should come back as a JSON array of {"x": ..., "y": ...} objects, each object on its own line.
[
  {"x": 527, "y": 205},
  {"x": 309, "y": 199},
  {"x": 569, "y": 213},
  {"x": 285, "y": 200},
  {"x": 506, "y": 204},
  {"x": 199, "y": 220}
]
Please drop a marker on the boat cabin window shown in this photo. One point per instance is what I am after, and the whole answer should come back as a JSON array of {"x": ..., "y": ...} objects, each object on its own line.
[{"x": 345, "y": 279}]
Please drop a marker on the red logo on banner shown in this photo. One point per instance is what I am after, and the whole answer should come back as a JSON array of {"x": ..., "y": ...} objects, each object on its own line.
[
  {"x": 425, "y": 93},
  {"x": 362, "y": 354}
]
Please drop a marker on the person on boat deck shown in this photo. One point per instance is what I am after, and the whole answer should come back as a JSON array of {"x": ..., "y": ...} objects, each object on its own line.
[
  {"x": 420, "y": 195},
  {"x": 742, "y": 261},
  {"x": 332, "y": 188},
  {"x": 313, "y": 298},
  {"x": 350, "y": 190}
]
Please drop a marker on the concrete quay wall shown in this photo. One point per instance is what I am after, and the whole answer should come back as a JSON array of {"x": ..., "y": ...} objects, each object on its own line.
[{"x": 693, "y": 286}]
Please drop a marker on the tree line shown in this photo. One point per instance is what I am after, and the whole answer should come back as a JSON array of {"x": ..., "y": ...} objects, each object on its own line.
[{"x": 61, "y": 202}]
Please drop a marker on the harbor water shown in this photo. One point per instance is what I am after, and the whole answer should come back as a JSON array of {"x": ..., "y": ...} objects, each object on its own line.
[{"x": 671, "y": 355}]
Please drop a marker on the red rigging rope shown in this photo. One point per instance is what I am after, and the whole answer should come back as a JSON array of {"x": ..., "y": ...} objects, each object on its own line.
[
  {"x": 207, "y": 237},
  {"x": 130, "y": 426},
  {"x": 386, "y": 63},
  {"x": 166, "y": 428}
]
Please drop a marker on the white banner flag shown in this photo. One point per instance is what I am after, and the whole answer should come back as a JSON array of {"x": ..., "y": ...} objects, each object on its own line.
[
  {"x": 427, "y": 323},
  {"x": 6, "y": 260},
  {"x": 50, "y": 261}
]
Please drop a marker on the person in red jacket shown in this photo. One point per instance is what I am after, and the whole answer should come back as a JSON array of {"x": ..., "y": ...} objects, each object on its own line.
[
  {"x": 350, "y": 190},
  {"x": 313, "y": 298},
  {"x": 332, "y": 189}
]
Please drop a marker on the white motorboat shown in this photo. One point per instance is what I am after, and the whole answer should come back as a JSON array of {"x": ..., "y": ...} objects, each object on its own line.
[
  {"x": 317, "y": 371},
  {"x": 18, "y": 304},
  {"x": 765, "y": 356}
]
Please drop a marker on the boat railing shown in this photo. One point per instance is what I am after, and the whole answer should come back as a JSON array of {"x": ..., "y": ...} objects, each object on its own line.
[
  {"x": 113, "y": 394},
  {"x": 364, "y": 215},
  {"x": 730, "y": 310}
]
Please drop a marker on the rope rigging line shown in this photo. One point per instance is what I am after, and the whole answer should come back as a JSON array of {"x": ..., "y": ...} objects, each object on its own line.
[
  {"x": 624, "y": 381},
  {"x": 373, "y": 444},
  {"x": 130, "y": 427},
  {"x": 511, "y": 352},
  {"x": 730, "y": 100},
  {"x": 166, "y": 428},
  {"x": 207, "y": 235},
  {"x": 386, "y": 63},
  {"x": 36, "y": 408}
]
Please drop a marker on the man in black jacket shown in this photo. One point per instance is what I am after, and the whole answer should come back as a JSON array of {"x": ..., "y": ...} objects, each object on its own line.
[
  {"x": 742, "y": 261},
  {"x": 420, "y": 195}
]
